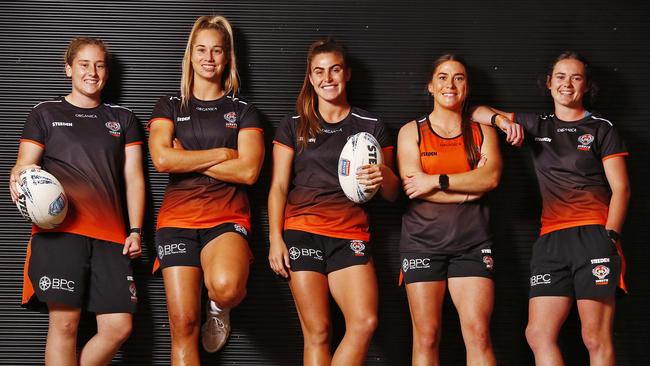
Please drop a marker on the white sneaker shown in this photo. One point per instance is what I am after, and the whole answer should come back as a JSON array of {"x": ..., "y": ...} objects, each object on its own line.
[{"x": 216, "y": 329}]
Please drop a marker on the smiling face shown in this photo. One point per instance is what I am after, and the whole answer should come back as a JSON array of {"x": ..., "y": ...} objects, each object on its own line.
[
  {"x": 329, "y": 75},
  {"x": 88, "y": 72},
  {"x": 209, "y": 57},
  {"x": 448, "y": 85},
  {"x": 568, "y": 83}
]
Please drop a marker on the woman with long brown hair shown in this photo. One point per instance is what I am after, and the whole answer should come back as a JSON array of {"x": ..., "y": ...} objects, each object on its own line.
[
  {"x": 447, "y": 162},
  {"x": 319, "y": 238},
  {"x": 210, "y": 141}
]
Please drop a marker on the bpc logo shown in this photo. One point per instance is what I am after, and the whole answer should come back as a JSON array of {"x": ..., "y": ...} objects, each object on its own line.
[
  {"x": 45, "y": 283},
  {"x": 415, "y": 263},
  {"x": 169, "y": 249},
  {"x": 540, "y": 279},
  {"x": 295, "y": 253}
]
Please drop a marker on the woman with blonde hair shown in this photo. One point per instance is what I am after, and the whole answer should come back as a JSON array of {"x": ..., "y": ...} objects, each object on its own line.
[{"x": 210, "y": 141}]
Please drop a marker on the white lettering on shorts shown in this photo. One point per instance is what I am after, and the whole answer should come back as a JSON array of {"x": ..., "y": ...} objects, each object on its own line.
[
  {"x": 45, "y": 283},
  {"x": 540, "y": 279},
  {"x": 171, "y": 249},
  {"x": 295, "y": 253},
  {"x": 415, "y": 263}
]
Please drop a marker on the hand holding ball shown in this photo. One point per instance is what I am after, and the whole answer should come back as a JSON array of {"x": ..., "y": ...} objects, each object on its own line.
[
  {"x": 360, "y": 149},
  {"x": 42, "y": 200}
]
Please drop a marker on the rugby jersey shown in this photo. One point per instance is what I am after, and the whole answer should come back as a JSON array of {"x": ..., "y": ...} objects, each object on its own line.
[{"x": 316, "y": 203}]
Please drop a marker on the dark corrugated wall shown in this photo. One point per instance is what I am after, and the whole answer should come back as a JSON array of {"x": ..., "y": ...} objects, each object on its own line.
[{"x": 508, "y": 44}]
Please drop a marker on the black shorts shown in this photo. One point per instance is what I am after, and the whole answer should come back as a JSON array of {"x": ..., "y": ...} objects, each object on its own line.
[
  {"x": 426, "y": 267},
  {"x": 182, "y": 247},
  {"x": 580, "y": 262},
  {"x": 72, "y": 269},
  {"x": 323, "y": 254}
]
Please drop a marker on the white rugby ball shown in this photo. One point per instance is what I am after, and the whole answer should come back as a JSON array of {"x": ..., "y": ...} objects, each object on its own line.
[
  {"x": 360, "y": 149},
  {"x": 42, "y": 200}
]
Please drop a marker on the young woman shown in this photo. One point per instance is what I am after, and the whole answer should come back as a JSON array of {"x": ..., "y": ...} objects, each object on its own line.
[
  {"x": 319, "y": 238},
  {"x": 93, "y": 149},
  {"x": 211, "y": 143},
  {"x": 447, "y": 163},
  {"x": 580, "y": 166}
]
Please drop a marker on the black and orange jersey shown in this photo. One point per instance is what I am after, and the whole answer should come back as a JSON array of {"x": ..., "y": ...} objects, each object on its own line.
[
  {"x": 568, "y": 158},
  {"x": 194, "y": 200},
  {"x": 316, "y": 203},
  {"x": 84, "y": 150},
  {"x": 444, "y": 227}
]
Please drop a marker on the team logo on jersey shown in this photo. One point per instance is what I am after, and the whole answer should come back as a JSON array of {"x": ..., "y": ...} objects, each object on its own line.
[
  {"x": 584, "y": 141},
  {"x": 358, "y": 247},
  {"x": 601, "y": 271},
  {"x": 231, "y": 119},
  {"x": 113, "y": 128},
  {"x": 489, "y": 262}
]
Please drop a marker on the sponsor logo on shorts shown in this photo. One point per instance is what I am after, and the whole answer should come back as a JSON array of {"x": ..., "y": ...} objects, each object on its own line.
[
  {"x": 113, "y": 128},
  {"x": 240, "y": 229},
  {"x": 231, "y": 119},
  {"x": 171, "y": 249},
  {"x": 134, "y": 292},
  {"x": 61, "y": 124},
  {"x": 543, "y": 139},
  {"x": 415, "y": 263},
  {"x": 601, "y": 271},
  {"x": 540, "y": 279},
  {"x": 584, "y": 141},
  {"x": 295, "y": 253},
  {"x": 489, "y": 262},
  {"x": 358, "y": 247},
  {"x": 182, "y": 119},
  {"x": 45, "y": 283}
]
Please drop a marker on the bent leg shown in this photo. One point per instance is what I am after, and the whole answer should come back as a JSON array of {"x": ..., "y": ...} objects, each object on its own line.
[
  {"x": 183, "y": 292},
  {"x": 425, "y": 303},
  {"x": 225, "y": 261},
  {"x": 546, "y": 314},
  {"x": 355, "y": 291},
  {"x": 597, "y": 319},
  {"x": 311, "y": 295},
  {"x": 61, "y": 346},
  {"x": 474, "y": 301},
  {"x": 112, "y": 330}
]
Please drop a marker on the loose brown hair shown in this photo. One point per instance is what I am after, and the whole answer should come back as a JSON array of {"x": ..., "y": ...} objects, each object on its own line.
[
  {"x": 231, "y": 82},
  {"x": 307, "y": 101},
  {"x": 471, "y": 149},
  {"x": 592, "y": 87},
  {"x": 76, "y": 44}
]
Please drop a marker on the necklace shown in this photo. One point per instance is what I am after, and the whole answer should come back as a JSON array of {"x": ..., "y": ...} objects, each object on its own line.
[{"x": 446, "y": 132}]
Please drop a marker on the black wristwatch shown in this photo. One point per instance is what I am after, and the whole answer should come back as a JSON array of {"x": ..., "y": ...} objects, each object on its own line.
[
  {"x": 136, "y": 230},
  {"x": 443, "y": 181},
  {"x": 614, "y": 236}
]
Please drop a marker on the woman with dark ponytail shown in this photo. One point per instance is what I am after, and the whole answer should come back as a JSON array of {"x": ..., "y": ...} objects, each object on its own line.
[
  {"x": 319, "y": 238},
  {"x": 447, "y": 162}
]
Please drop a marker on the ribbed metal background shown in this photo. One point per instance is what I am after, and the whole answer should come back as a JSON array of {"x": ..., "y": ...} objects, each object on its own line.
[{"x": 508, "y": 44}]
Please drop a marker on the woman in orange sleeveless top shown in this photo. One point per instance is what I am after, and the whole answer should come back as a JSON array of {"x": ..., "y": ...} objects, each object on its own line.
[{"x": 447, "y": 162}]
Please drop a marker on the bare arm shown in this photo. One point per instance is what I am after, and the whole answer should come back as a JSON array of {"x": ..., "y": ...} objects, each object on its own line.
[
  {"x": 282, "y": 163},
  {"x": 134, "y": 183},
  {"x": 166, "y": 159},
  {"x": 245, "y": 168},
  {"x": 616, "y": 173},
  {"x": 382, "y": 176},
  {"x": 29, "y": 155},
  {"x": 514, "y": 131},
  {"x": 477, "y": 181}
]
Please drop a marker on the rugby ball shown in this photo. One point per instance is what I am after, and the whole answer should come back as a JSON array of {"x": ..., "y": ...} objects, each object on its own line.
[
  {"x": 42, "y": 200},
  {"x": 360, "y": 149}
]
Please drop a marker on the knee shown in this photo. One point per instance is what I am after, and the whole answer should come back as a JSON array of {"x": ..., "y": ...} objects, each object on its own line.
[
  {"x": 183, "y": 326},
  {"x": 536, "y": 336},
  {"x": 595, "y": 340},
  {"x": 363, "y": 325},
  {"x": 65, "y": 328},
  {"x": 477, "y": 335},
  {"x": 118, "y": 331},
  {"x": 225, "y": 292},
  {"x": 317, "y": 333},
  {"x": 426, "y": 337}
]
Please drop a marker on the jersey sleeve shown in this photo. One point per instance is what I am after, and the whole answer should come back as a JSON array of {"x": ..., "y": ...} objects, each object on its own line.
[
  {"x": 383, "y": 136},
  {"x": 526, "y": 120},
  {"x": 164, "y": 109},
  {"x": 250, "y": 118},
  {"x": 132, "y": 135},
  {"x": 34, "y": 130},
  {"x": 285, "y": 134},
  {"x": 610, "y": 143}
]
